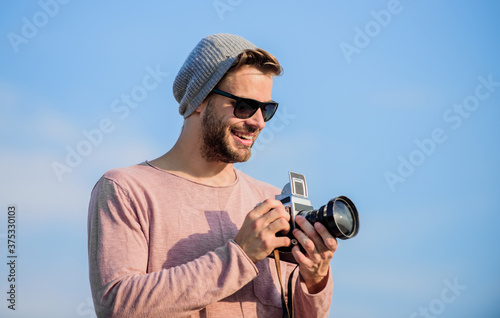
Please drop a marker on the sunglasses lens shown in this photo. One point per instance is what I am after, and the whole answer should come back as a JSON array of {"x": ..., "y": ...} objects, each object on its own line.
[
  {"x": 269, "y": 111},
  {"x": 246, "y": 108}
]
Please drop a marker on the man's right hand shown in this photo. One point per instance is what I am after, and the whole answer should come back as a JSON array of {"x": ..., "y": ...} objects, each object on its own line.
[{"x": 257, "y": 236}]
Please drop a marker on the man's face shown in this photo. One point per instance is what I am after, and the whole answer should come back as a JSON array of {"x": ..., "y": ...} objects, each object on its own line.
[{"x": 226, "y": 138}]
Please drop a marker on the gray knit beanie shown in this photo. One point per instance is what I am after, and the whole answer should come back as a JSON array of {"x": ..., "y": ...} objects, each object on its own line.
[{"x": 204, "y": 68}]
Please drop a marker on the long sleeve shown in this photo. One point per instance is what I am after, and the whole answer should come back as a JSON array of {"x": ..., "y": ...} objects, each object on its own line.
[
  {"x": 121, "y": 283},
  {"x": 162, "y": 246},
  {"x": 311, "y": 305}
]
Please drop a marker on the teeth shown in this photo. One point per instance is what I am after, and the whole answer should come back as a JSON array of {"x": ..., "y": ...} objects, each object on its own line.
[{"x": 243, "y": 136}]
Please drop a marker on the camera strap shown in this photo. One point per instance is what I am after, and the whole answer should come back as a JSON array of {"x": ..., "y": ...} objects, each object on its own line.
[{"x": 287, "y": 309}]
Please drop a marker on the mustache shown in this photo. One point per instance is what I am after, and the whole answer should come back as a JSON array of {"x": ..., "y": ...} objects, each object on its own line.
[{"x": 245, "y": 128}]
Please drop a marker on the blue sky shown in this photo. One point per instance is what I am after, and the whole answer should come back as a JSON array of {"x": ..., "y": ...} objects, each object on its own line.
[{"x": 392, "y": 103}]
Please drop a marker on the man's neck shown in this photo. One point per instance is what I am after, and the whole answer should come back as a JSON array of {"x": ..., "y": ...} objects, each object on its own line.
[{"x": 189, "y": 164}]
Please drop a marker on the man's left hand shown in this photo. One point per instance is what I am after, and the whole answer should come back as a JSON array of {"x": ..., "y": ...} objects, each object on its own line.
[{"x": 319, "y": 245}]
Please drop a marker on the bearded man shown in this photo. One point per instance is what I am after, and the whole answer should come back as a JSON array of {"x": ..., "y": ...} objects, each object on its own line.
[{"x": 184, "y": 235}]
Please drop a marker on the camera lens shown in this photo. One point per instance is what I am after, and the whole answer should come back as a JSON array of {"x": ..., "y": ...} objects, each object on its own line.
[
  {"x": 339, "y": 216},
  {"x": 343, "y": 218}
]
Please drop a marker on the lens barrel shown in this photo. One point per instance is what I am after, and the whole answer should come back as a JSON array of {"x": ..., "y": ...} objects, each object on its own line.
[{"x": 339, "y": 216}]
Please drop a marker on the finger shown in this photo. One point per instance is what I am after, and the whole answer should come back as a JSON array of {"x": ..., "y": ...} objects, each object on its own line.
[
  {"x": 309, "y": 230},
  {"x": 328, "y": 239},
  {"x": 281, "y": 241},
  {"x": 267, "y": 205},
  {"x": 279, "y": 225},
  {"x": 275, "y": 214},
  {"x": 323, "y": 240},
  {"x": 301, "y": 258},
  {"x": 304, "y": 241},
  {"x": 273, "y": 242}
]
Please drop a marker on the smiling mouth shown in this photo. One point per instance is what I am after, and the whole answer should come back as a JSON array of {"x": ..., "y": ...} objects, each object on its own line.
[
  {"x": 244, "y": 138},
  {"x": 241, "y": 135}
]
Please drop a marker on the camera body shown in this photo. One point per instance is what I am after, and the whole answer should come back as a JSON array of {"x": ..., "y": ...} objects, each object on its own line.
[
  {"x": 294, "y": 197},
  {"x": 339, "y": 215}
]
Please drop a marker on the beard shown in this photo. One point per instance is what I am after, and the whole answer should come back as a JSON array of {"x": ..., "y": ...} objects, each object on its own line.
[{"x": 215, "y": 144}]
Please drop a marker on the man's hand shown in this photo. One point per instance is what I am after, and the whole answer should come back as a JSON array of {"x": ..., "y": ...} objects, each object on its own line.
[
  {"x": 257, "y": 236},
  {"x": 319, "y": 245}
]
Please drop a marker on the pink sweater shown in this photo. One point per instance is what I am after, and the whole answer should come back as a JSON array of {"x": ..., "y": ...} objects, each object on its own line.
[{"x": 161, "y": 246}]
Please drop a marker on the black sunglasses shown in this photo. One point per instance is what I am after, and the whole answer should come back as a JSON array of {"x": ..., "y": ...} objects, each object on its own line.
[{"x": 247, "y": 107}]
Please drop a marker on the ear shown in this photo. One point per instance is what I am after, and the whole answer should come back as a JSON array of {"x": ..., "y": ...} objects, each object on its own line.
[{"x": 200, "y": 109}]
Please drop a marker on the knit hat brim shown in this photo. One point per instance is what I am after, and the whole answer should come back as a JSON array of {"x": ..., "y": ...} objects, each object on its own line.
[{"x": 204, "y": 68}]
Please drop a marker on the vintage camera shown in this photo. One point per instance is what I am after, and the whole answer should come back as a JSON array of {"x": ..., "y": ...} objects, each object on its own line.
[{"x": 339, "y": 215}]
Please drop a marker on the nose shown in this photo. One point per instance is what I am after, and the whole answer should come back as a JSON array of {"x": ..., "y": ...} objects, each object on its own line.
[{"x": 257, "y": 120}]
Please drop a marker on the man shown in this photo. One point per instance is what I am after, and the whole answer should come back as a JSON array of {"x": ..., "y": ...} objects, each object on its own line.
[{"x": 184, "y": 235}]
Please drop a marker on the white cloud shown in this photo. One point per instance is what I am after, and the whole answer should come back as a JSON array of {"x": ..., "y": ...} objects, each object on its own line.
[
  {"x": 53, "y": 126},
  {"x": 29, "y": 181},
  {"x": 8, "y": 97}
]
